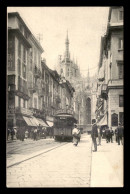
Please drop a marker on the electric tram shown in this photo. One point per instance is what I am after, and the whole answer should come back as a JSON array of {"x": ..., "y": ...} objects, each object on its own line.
[{"x": 63, "y": 126}]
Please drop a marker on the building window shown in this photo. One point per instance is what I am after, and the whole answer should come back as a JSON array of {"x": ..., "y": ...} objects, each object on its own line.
[
  {"x": 121, "y": 117},
  {"x": 120, "y": 14},
  {"x": 19, "y": 49},
  {"x": 30, "y": 64},
  {"x": 114, "y": 119},
  {"x": 24, "y": 55},
  {"x": 10, "y": 60},
  {"x": 120, "y": 70},
  {"x": 121, "y": 43},
  {"x": 19, "y": 101},
  {"x": 19, "y": 67},
  {"x": 88, "y": 108},
  {"x": 24, "y": 71},
  {"x": 121, "y": 99},
  {"x": 35, "y": 103}
]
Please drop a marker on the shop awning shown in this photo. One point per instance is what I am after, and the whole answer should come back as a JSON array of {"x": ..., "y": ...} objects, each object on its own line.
[
  {"x": 41, "y": 122},
  {"x": 50, "y": 123},
  {"x": 27, "y": 120},
  {"x": 103, "y": 121},
  {"x": 33, "y": 122}
]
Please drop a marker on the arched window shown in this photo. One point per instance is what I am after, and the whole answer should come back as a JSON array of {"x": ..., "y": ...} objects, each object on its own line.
[
  {"x": 114, "y": 119},
  {"x": 88, "y": 110}
]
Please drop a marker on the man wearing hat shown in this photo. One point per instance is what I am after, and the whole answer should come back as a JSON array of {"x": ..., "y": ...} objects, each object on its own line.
[
  {"x": 94, "y": 134},
  {"x": 119, "y": 133}
]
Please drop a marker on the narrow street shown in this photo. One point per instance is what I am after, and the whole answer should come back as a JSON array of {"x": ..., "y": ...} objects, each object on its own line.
[
  {"x": 65, "y": 80},
  {"x": 61, "y": 167}
]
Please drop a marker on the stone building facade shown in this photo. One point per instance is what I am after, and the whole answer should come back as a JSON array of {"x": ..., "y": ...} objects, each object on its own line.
[
  {"x": 110, "y": 84},
  {"x": 34, "y": 92}
]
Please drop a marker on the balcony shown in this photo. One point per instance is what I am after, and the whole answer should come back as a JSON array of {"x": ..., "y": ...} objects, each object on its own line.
[
  {"x": 11, "y": 87},
  {"x": 23, "y": 111},
  {"x": 37, "y": 72},
  {"x": 37, "y": 112}
]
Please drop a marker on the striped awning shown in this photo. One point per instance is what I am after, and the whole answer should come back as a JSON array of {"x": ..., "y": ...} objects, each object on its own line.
[
  {"x": 41, "y": 122},
  {"x": 33, "y": 122},
  {"x": 50, "y": 123},
  {"x": 28, "y": 121}
]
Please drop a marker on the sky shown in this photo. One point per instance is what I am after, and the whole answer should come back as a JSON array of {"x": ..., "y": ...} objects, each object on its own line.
[{"x": 85, "y": 27}]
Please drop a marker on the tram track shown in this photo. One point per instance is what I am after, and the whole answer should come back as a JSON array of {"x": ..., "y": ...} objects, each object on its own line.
[{"x": 31, "y": 157}]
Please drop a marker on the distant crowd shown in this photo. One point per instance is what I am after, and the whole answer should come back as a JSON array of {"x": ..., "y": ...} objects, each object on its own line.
[
  {"x": 99, "y": 132},
  {"x": 35, "y": 133}
]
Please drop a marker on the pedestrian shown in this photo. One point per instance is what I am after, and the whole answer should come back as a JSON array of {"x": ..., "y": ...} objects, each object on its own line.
[
  {"x": 35, "y": 134},
  {"x": 94, "y": 134},
  {"x": 12, "y": 133},
  {"x": 8, "y": 133},
  {"x": 116, "y": 135},
  {"x": 26, "y": 134},
  {"x": 22, "y": 133},
  {"x": 119, "y": 133},
  {"x": 99, "y": 134},
  {"x": 111, "y": 135},
  {"x": 107, "y": 132},
  {"x": 76, "y": 134}
]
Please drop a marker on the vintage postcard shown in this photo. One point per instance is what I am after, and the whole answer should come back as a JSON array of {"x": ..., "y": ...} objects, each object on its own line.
[{"x": 65, "y": 118}]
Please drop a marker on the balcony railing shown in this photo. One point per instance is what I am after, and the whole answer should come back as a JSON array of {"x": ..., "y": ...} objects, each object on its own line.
[
  {"x": 37, "y": 72},
  {"x": 37, "y": 112},
  {"x": 23, "y": 111}
]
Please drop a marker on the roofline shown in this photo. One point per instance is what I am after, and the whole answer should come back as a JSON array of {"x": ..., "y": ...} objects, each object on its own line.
[
  {"x": 37, "y": 43},
  {"x": 19, "y": 17}
]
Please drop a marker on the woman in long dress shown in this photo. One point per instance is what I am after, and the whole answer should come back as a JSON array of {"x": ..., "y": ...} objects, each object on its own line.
[{"x": 76, "y": 134}]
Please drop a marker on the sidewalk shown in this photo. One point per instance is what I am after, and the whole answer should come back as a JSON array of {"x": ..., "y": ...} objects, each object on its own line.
[{"x": 107, "y": 165}]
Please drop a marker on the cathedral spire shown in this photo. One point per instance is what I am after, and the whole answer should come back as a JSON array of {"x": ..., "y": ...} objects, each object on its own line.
[
  {"x": 88, "y": 78},
  {"x": 67, "y": 54}
]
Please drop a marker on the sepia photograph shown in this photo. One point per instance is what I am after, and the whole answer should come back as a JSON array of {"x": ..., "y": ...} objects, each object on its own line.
[{"x": 65, "y": 97}]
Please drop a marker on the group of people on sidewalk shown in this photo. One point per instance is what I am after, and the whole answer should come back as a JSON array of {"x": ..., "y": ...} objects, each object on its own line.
[
  {"x": 109, "y": 133},
  {"x": 22, "y": 133}
]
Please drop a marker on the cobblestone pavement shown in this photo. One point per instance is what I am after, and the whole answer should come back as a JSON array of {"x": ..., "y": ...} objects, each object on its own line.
[
  {"x": 17, "y": 150},
  {"x": 66, "y": 166}
]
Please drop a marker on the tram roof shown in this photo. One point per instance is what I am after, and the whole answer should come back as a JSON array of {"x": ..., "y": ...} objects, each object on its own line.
[{"x": 64, "y": 115}]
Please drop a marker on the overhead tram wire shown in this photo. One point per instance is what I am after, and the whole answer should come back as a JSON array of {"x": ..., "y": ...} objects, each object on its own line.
[{"x": 89, "y": 69}]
